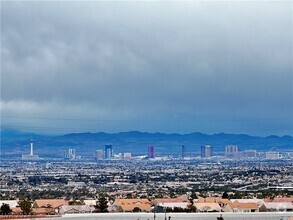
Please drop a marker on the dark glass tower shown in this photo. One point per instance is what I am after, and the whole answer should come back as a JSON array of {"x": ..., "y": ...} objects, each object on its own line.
[
  {"x": 108, "y": 151},
  {"x": 183, "y": 151}
]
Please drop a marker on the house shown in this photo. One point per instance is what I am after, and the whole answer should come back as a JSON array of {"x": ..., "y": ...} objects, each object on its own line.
[
  {"x": 283, "y": 199},
  {"x": 162, "y": 204},
  {"x": 171, "y": 200},
  {"x": 70, "y": 209},
  {"x": 212, "y": 200},
  {"x": 222, "y": 202},
  {"x": 130, "y": 205},
  {"x": 207, "y": 207},
  {"x": 90, "y": 202},
  {"x": 276, "y": 207},
  {"x": 259, "y": 202},
  {"x": 43, "y": 211},
  {"x": 241, "y": 207},
  {"x": 52, "y": 205},
  {"x": 16, "y": 211},
  {"x": 11, "y": 203}
]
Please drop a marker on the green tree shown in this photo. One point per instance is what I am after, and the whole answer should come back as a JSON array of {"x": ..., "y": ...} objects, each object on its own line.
[
  {"x": 225, "y": 195},
  {"x": 5, "y": 209},
  {"x": 191, "y": 208},
  {"x": 25, "y": 206},
  {"x": 136, "y": 209},
  {"x": 238, "y": 195},
  {"x": 101, "y": 205},
  {"x": 193, "y": 196},
  {"x": 74, "y": 202},
  {"x": 178, "y": 209}
]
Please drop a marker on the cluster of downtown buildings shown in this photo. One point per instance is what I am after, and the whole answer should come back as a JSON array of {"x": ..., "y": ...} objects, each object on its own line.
[{"x": 207, "y": 152}]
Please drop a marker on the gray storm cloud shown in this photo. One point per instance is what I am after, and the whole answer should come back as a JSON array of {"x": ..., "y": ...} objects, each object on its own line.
[{"x": 176, "y": 67}]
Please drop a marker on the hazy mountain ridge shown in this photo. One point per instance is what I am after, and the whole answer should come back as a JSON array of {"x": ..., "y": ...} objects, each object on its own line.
[{"x": 137, "y": 142}]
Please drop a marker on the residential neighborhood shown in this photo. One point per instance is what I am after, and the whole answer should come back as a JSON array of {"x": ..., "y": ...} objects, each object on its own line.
[{"x": 59, "y": 207}]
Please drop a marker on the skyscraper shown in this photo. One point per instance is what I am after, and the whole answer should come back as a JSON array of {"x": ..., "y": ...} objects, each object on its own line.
[
  {"x": 32, "y": 148},
  {"x": 108, "y": 151},
  {"x": 231, "y": 150},
  {"x": 183, "y": 151},
  {"x": 272, "y": 155},
  {"x": 151, "y": 152},
  {"x": 99, "y": 155},
  {"x": 70, "y": 154},
  {"x": 248, "y": 154},
  {"x": 31, "y": 155},
  {"x": 206, "y": 151}
]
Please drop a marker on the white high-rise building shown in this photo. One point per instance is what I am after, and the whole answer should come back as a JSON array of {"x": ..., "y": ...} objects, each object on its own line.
[
  {"x": 127, "y": 156},
  {"x": 231, "y": 150},
  {"x": 70, "y": 154},
  {"x": 99, "y": 155},
  {"x": 31, "y": 155},
  {"x": 272, "y": 155}
]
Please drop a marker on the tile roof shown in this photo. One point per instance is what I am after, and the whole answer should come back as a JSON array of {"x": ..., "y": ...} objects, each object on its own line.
[
  {"x": 41, "y": 210},
  {"x": 207, "y": 207},
  {"x": 183, "y": 205},
  {"x": 279, "y": 205},
  {"x": 259, "y": 201},
  {"x": 16, "y": 210},
  {"x": 52, "y": 203},
  {"x": 76, "y": 208},
  {"x": 247, "y": 205},
  {"x": 212, "y": 200},
  {"x": 171, "y": 200},
  {"x": 283, "y": 199},
  {"x": 127, "y": 205}
]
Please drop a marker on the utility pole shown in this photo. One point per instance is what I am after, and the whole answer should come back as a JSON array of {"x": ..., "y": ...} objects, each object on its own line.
[{"x": 165, "y": 213}]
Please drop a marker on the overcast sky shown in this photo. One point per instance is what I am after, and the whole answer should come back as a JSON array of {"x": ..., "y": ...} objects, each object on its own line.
[{"x": 149, "y": 66}]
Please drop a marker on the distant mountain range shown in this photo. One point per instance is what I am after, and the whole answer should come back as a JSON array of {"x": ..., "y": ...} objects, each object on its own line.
[{"x": 15, "y": 142}]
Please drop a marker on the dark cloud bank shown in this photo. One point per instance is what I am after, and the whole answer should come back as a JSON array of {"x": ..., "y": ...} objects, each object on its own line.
[{"x": 153, "y": 66}]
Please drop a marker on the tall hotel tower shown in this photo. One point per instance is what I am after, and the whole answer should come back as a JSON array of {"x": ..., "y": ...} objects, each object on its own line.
[
  {"x": 206, "y": 151},
  {"x": 151, "y": 152},
  {"x": 31, "y": 156},
  {"x": 183, "y": 151},
  {"x": 108, "y": 152}
]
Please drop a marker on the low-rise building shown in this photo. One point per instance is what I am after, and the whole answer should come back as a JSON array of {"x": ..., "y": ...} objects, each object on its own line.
[
  {"x": 70, "y": 209},
  {"x": 52, "y": 205},
  {"x": 207, "y": 207},
  {"x": 259, "y": 202},
  {"x": 11, "y": 203},
  {"x": 163, "y": 204},
  {"x": 222, "y": 202},
  {"x": 276, "y": 207},
  {"x": 241, "y": 207},
  {"x": 132, "y": 205}
]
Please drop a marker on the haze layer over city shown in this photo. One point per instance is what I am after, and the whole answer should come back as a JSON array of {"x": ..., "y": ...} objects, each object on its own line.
[{"x": 146, "y": 110}]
